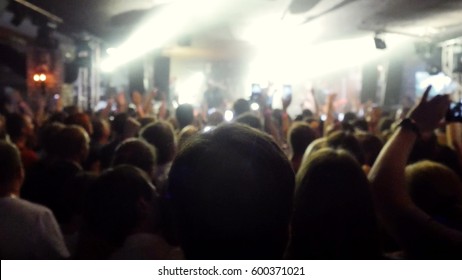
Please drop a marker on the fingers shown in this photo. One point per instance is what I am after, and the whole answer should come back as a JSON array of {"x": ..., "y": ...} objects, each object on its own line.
[{"x": 425, "y": 94}]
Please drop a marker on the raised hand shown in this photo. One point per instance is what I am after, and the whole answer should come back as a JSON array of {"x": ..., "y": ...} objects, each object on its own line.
[{"x": 427, "y": 114}]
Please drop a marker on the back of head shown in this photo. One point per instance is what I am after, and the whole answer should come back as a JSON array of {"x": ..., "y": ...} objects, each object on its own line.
[
  {"x": 111, "y": 211},
  {"x": 161, "y": 135},
  {"x": 82, "y": 120},
  {"x": 300, "y": 136},
  {"x": 185, "y": 134},
  {"x": 101, "y": 130},
  {"x": 215, "y": 118},
  {"x": 184, "y": 115},
  {"x": 137, "y": 153},
  {"x": 334, "y": 215},
  {"x": 232, "y": 194},
  {"x": 437, "y": 190},
  {"x": 371, "y": 146},
  {"x": 241, "y": 106},
  {"x": 346, "y": 141},
  {"x": 10, "y": 166},
  {"x": 361, "y": 125},
  {"x": 47, "y": 137},
  {"x": 72, "y": 143},
  {"x": 15, "y": 126},
  {"x": 118, "y": 124},
  {"x": 250, "y": 120}
]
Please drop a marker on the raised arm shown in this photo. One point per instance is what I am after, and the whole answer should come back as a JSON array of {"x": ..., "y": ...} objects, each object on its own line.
[{"x": 416, "y": 231}]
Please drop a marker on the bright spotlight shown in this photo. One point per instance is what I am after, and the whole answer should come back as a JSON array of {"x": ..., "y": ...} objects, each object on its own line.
[
  {"x": 111, "y": 51},
  {"x": 36, "y": 77},
  {"x": 229, "y": 115},
  {"x": 254, "y": 106},
  {"x": 169, "y": 23},
  {"x": 43, "y": 77}
]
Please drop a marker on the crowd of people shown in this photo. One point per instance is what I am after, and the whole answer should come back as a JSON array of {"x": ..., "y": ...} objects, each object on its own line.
[{"x": 138, "y": 184}]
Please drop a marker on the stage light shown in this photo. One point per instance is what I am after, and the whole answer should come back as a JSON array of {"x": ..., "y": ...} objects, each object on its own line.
[
  {"x": 43, "y": 77},
  {"x": 173, "y": 21},
  {"x": 229, "y": 115},
  {"x": 36, "y": 77}
]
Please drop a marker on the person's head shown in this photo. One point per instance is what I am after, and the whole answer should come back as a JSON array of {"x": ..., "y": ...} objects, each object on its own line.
[
  {"x": 137, "y": 153},
  {"x": 250, "y": 120},
  {"x": 300, "y": 136},
  {"x": 185, "y": 134},
  {"x": 215, "y": 119},
  {"x": 184, "y": 115},
  {"x": 81, "y": 119},
  {"x": 19, "y": 127},
  {"x": 161, "y": 135},
  {"x": 349, "y": 117},
  {"x": 118, "y": 124},
  {"x": 333, "y": 212},
  {"x": 101, "y": 130},
  {"x": 361, "y": 125},
  {"x": 11, "y": 170},
  {"x": 121, "y": 202},
  {"x": 145, "y": 121},
  {"x": 346, "y": 141},
  {"x": 231, "y": 190},
  {"x": 48, "y": 137},
  {"x": 437, "y": 190},
  {"x": 72, "y": 143},
  {"x": 240, "y": 107},
  {"x": 371, "y": 146}
]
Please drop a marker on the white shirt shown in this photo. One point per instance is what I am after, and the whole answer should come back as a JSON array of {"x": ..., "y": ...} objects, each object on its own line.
[{"x": 29, "y": 231}]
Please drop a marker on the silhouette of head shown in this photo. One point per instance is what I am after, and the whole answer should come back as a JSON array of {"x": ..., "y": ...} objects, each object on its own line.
[
  {"x": 334, "y": 216},
  {"x": 161, "y": 135},
  {"x": 232, "y": 192},
  {"x": 137, "y": 153}
]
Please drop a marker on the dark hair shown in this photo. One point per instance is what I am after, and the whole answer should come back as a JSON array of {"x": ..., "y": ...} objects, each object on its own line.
[
  {"x": 48, "y": 137},
  {"x": 98, "y": 128},
  {"x": 361, "y": 124},
  {"x": 240, "y": 107},
  {"x": 82, "y": 120},
  {"x": 11, "y": 163},
  {"x": 161, "y": 135},
  {"x": 300, "y": 136},
  {"x": 137, "y": 153},
  {"x": 371, "y": 146},
  {"x": 348, "y": 142},
  {"x": 118, "y": 124},
  {"x": 184, "y": 115},
  {"x": 334, "y": 216},
  {"x": 437, "y": 190},
  {"x": 70, "y": 141},
  {"x": 110, "y": 211},
  {"x": 15, "y": 124},
  {"x": 250, "y": 120},
  {"x": 232, "y": 192}
]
